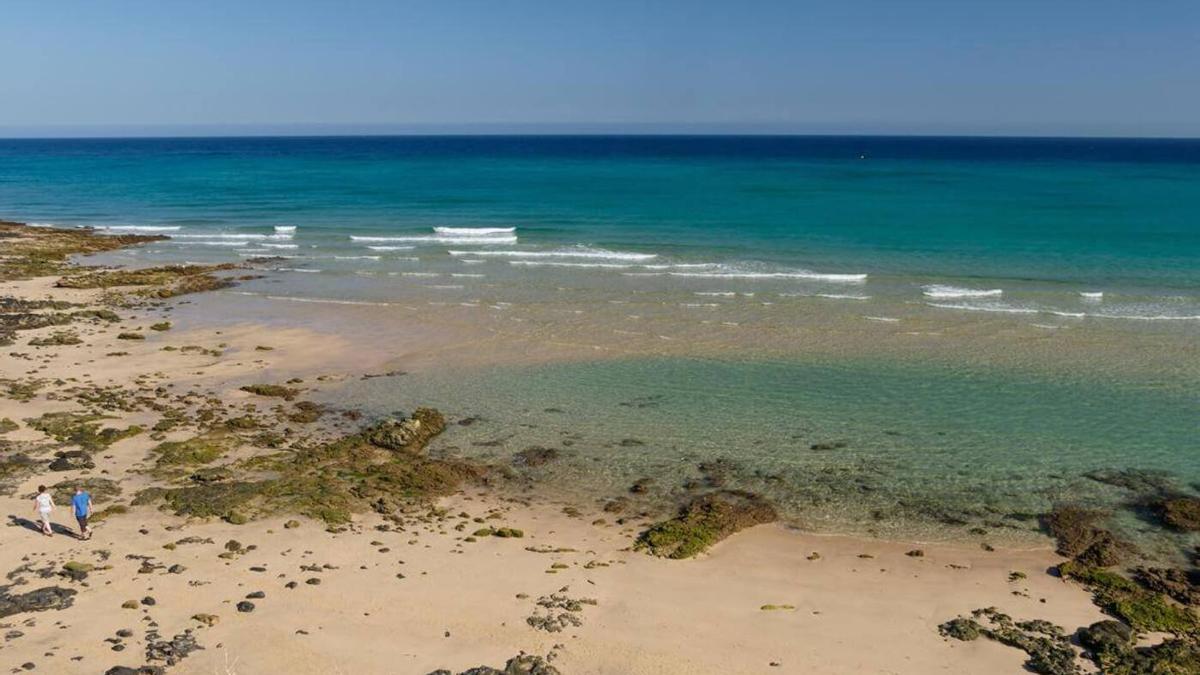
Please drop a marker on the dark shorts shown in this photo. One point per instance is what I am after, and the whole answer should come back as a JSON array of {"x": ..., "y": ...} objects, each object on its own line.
[{"x": 82, "y": 522}]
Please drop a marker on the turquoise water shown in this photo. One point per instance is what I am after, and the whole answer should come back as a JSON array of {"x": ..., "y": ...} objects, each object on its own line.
[{"x": 974, "y": 323}]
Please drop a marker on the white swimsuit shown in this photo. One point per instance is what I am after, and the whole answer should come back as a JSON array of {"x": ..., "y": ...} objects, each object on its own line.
[{"x": 44, "y": 503}]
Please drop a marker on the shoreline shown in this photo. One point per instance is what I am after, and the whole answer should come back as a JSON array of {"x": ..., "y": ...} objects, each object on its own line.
[{"x": 416, "y": 587}]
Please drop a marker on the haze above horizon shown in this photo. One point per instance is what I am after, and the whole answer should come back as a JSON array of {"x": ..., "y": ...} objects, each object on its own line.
[{"x": 871, "y": 67}]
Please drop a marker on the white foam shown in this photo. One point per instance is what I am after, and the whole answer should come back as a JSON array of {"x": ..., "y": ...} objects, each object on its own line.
[
  {"x": 285, "y": 229},
  {"x": 547, "y": 263},
  {"x": 1001, "y": 309},
  {"x": 298, "y": 269},
  {"x": 356, "y": 257},
  {"x": 474, "y": 231},
  {"x": 444, "y": 287},
  {"x": 268, "y": 244},
  {"x": 1092, "y": 296},
  {"x": 211, "y": 243},
  {"x": 420, "y": 274},
  {"x": 799, "y": 274},
  {"x": 943, "y": 291},
  {"x": 391, "y": 248},
  {"x": 885, "y": 319},
  {"x": 328, "y": 301},
  {"x": 223, "y": 235},
  {"x": 576, "y": 252},
  {"x": 717, "y": 294},
  {"x": 142, "y": 228},
  {"x": 842, "y": 296},
  {"x": 467, "y": 276},
  {"x": 471, "y": 262},
  {"x": 442, "y": 239}
]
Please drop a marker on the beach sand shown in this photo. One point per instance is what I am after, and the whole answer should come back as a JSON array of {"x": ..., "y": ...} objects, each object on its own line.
[{"x": 384, "y": 595}]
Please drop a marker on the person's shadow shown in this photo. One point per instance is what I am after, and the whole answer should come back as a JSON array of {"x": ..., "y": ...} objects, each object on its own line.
[{"x": 18, "y": 521}]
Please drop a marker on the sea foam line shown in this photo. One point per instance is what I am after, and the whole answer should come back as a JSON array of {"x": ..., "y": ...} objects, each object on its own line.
[
  {"x": 142, "y": 228},
  {"x": 943, "y": 291},
  {"x": 441, "y": 239},
  {"x": 588, "y": 253},
  {"x": 474, "y": 231}
]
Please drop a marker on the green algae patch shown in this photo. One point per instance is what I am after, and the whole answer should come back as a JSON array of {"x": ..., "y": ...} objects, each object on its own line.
[
  {"x": 102, "y": 490},
  {"x": 193, "y": 451},
  {"x": 7, "y": 425},
  {"x": 81, "y": 428},
  {"x": 130, "y": 336},
  {"x": 328, "y": 481},
  {"x": 1047, "y": 646},
  {"x": 1123, "y": 598},
  {"x": 705, "y": 521},
  {"x": 58, "y": 338},
  {"x": 167, "y": 281},
  {"x": 778, "y": 608},
  {"x": 501, "y": 532},
  {"x": 43, "y": 251},
  {"x": 161, "y": 326},
  {"x": 272, "y": 390}
]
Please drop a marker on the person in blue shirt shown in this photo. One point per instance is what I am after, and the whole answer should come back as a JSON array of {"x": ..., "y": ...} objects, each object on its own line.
[{"x": 82, "y": 501}]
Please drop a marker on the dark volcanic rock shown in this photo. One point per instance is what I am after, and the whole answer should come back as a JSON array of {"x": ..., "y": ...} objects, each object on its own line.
[
  {"x": 1109, "y": 641},
  {"x": 245, "y": 606},
  {"x": 1181, "y": 585},
  {"x": 409, "y": 435},
  {"x": 71, "y": 460},
  {"x": 174, "y": 650},
  {"x": 51, "y": 597}
]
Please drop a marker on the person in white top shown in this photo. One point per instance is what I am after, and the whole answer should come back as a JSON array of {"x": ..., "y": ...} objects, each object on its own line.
[{"x": 43, "y": 504}]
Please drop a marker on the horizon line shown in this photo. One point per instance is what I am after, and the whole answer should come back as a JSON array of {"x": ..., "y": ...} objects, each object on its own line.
[{"x": 530, "y": 129}]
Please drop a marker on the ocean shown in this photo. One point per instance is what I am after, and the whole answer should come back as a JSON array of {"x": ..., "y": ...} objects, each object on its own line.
[{"x": 912, "y": 337}]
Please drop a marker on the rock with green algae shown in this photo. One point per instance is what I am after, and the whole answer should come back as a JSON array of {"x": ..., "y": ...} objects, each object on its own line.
[
  {"x": 201, "y": 449},
  {"x": 705, "y": 521},
  {"x": 80, "y": 428},
  {"x": 409, "y": 435},
  {"x": 1181, "y": 513},
  {"x": 158, "y": 282},
  {"x": 161, "y": 326},
  {"x": 7, "y": 425},
  {"x": 329, "y": 481},
  {"x": 1078, "y": 535},
  {"x": 56, "y": 339},
  {"x": 272, "y": 390},
  {"x": 102, "y": 490},
  {"x": 1183, "y": 586},
  {"x": 1144, "y": 610},
  {"x": 1048, "y": 647},
  {"x": 43, "y": 251}
]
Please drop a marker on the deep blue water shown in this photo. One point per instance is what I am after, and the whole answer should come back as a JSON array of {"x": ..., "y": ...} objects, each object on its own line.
[{"x": 1117, "y": 212}]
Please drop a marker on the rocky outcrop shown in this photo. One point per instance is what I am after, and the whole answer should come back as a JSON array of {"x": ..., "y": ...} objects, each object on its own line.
[
  {"x": 408, "y": 435},
  {"x": 705, "y": 521},
  {"x": 1079, "y": 536},
  {"x": 1181, "y": 513}
]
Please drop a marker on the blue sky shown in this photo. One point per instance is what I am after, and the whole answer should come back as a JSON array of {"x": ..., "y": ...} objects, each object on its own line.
[{"x": 1057, "y": 67}]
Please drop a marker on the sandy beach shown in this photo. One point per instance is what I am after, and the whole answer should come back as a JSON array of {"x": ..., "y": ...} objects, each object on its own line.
[{"x": 445, "y": 572}]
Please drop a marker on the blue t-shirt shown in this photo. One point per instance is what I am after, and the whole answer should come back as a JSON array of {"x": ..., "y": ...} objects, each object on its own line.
[{"x": 81, "y": 504}]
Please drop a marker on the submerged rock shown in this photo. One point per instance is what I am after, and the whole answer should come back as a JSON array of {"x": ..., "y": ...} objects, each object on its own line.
[
  {"x": 1078, "y": 535},
  {"x": 705, "y": 521},
  {"x": 535, "y": 456},
  {"x": 1181, "y": 513}
]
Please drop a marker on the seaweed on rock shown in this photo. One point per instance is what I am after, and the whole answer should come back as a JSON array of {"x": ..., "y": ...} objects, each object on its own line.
[
  {"x": 1047, "y": 645},
  {"x": 705, "y": 521}
]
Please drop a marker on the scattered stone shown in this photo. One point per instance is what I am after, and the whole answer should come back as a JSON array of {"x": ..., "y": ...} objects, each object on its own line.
[{"x": 245, "y": 606}]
